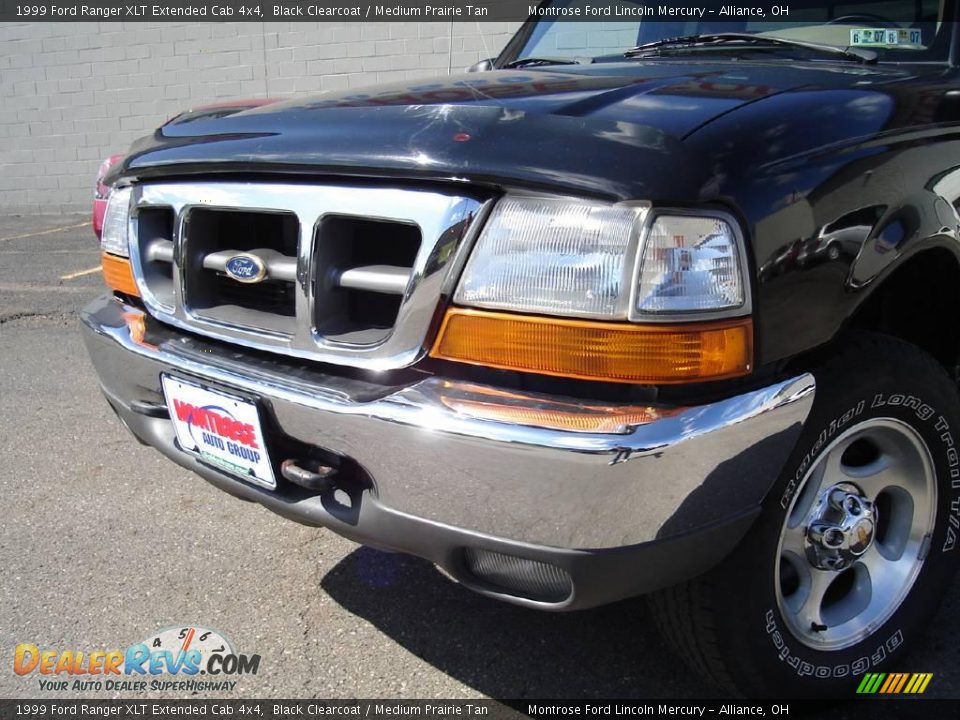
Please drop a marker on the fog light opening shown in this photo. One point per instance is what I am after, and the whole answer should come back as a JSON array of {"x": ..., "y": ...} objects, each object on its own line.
[{"x": 517, "y": 576}]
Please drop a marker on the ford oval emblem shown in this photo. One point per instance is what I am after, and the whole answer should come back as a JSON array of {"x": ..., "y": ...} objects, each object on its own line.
[{"x": 246, "y": 268}]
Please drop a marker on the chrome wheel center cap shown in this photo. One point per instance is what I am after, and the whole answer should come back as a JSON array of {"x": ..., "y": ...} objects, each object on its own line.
[{"x": 842, "y": 526}]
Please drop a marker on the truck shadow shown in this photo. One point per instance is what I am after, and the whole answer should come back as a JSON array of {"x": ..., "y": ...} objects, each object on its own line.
[
  {"x": 509, "y": 652},
  {"x": 505, "y": 651}
]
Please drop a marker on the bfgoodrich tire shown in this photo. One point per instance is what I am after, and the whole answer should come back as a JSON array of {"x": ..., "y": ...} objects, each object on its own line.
[{"x": 856, "y": 543}]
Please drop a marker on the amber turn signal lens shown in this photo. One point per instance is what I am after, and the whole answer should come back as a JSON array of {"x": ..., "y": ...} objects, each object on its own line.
[
  {"x": 610, "y": 352},
  {"x": 118, "y": 274}
]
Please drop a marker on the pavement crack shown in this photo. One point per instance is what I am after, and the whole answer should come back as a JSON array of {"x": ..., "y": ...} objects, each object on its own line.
[{"x": 34, "y": 315}]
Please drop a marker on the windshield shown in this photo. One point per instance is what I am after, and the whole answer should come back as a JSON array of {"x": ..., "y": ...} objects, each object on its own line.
[{"x": 896, "y": 30}]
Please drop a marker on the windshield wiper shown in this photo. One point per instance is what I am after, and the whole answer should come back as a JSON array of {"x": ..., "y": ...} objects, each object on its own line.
[
  {"x": 748, "y": 40},
  {"x": 535, "y": 61}
]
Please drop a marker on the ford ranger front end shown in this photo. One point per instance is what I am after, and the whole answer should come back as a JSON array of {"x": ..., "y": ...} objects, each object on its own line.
[{"x": 547, "y": 328}]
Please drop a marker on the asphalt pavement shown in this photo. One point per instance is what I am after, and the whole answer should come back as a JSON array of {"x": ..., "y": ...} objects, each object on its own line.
[{"x": 104, "y": 542}]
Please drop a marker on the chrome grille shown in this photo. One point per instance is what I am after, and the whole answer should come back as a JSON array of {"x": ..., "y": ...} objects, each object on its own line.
[{"x": 353, "y": 273}]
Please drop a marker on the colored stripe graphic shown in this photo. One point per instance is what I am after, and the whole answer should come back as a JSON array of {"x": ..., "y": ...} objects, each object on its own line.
[
  {"x": 894, "y": 683},
  {"x": 862, "y": 687},
  {"x": 888, "y": 683},
  {"x": 901, "y": 681}
]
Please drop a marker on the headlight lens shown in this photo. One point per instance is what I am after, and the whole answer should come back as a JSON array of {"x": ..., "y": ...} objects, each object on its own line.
[
  {"x": 552, "y": 256},
  {"x": 639, "y": 281},
  {"x": 577, "y": 259},
  {"x": 690, "y": 264},
  {"x": 115, "y": 222}
]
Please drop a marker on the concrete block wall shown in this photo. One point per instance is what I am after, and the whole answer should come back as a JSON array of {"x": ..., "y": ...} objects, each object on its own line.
[{"x": 73, "y": 93}]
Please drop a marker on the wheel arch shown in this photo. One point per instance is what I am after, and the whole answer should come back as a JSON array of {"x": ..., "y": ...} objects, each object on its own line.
[{"x": 918, "y": 301}]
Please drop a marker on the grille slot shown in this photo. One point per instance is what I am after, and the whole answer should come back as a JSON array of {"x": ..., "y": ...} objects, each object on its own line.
[
  {"x": 213, "y": 237},
  {"x": 366, "y": 267},
  {"x": 155, "y": 238}
]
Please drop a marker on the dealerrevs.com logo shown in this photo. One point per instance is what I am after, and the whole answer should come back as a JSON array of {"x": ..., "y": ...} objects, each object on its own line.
[{"x": 186, "y": 659}]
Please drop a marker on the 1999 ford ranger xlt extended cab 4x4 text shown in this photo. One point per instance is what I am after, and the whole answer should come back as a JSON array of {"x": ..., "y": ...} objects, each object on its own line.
[{"x": 671, "y": 308}]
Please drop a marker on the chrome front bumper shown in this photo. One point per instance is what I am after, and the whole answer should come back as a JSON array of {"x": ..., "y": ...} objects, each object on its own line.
[{"x": 621, "y": 512}]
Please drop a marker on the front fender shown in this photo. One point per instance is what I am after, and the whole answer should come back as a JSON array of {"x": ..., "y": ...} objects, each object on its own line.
[{"x": 831, "y": 213}]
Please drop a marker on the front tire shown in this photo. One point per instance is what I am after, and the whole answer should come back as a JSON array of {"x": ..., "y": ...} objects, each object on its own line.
[{"x": 856, "y": 542}]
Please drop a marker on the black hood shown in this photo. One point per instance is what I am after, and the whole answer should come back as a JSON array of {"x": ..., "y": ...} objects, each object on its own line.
[{"x": 612, "y": 129}]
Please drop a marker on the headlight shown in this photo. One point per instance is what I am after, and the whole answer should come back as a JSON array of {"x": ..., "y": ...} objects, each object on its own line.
[
  {"x": 555, "y": 257},
  {"x": 557, "y": 267},
  {"x": 580, "y": 259},
  {"x": 690, "y": 264},
  {"x": 115, "y": 222}
]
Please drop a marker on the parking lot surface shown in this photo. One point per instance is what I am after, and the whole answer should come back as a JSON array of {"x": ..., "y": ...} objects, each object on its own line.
[{"x": 104, "y": 543}]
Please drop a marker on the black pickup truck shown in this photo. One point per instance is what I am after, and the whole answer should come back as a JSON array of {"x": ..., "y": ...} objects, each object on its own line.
[{"x": 666, "y": 308}]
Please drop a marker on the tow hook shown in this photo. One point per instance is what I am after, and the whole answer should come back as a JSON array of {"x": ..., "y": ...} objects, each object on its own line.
[{"x": 309, "y": 474}]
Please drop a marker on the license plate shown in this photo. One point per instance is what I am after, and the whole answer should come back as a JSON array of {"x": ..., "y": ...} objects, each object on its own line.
[{"x": 220, "y": 428}]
